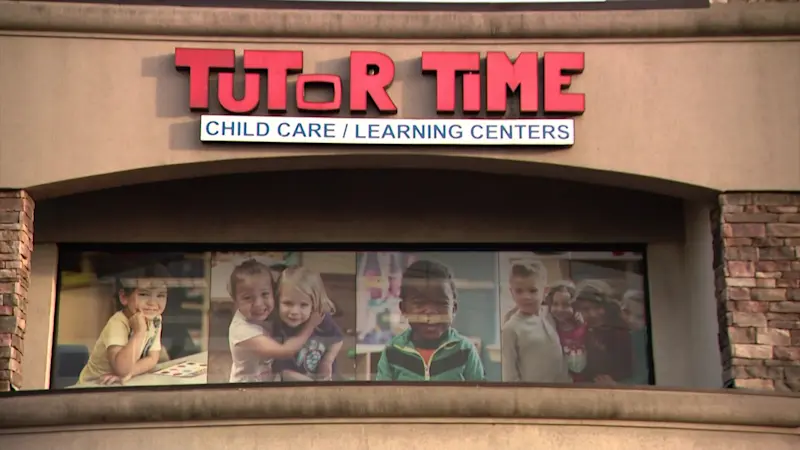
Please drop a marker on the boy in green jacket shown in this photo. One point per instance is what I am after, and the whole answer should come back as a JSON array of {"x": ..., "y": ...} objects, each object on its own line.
[{"x": 430, "y": 350}]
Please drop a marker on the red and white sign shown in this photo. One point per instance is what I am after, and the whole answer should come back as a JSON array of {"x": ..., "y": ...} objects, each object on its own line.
[{"x": 370, "y": 76}]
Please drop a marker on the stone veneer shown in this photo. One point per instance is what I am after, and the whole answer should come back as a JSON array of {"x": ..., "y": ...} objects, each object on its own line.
[
  {"x": 757, "y": 267},
  {"x": 16, "y": 244}
]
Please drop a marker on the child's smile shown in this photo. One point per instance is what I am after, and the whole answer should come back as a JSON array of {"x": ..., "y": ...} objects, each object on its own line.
[
  {"x": 295, "y": 308},
  {"x": 254, "y": 296},
  {"x": 436, "y": 300},
  {"x": 151, "y": 302}
]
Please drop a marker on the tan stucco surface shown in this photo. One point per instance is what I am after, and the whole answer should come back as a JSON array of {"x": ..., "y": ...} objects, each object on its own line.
[
  {"x": 389, "y": 417},
  {"x": 716, "y": 114}
]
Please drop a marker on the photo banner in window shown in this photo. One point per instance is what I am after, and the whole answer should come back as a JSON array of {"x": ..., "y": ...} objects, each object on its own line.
[
  {"x": 282, "y": 316},
  {"x": 532, "y": 317},
  {"x": 427, "y": 316},
  {"x": 574, "y": 317},
  {"x": 127, "y": 319}
]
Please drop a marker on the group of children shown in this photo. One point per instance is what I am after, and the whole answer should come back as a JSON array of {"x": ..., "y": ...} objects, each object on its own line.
[
  {"x": 561, "y": 332},
  {"x": 283, "y": 329}
]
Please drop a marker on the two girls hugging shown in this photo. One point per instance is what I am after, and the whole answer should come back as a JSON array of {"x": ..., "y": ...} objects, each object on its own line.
[{"x": 295, "y": 340}]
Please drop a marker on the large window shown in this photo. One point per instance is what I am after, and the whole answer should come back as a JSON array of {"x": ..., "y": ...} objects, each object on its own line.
[{"x": 170, "y": 318}]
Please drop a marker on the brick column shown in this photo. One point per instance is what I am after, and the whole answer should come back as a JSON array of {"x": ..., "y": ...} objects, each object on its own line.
[
  {"x": 757, "y": 267},
  {"x": 16, "y": 244}
]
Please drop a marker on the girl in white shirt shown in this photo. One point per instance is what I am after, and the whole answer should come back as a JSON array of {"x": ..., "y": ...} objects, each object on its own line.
[{"x": 251, "y": 287}]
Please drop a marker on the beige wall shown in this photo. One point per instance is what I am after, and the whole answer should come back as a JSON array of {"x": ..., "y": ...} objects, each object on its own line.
[
  {"x": 92, "y": 111},
  {"x": 672, "y": 108}
]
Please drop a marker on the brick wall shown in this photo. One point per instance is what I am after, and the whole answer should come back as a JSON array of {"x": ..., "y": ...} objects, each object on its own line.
[
  {"x": 757, "y": 266},
  {"x": 16, "y": 243}
]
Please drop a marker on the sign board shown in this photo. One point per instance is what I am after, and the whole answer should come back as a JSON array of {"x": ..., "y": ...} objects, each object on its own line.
[{"x": 465, "y": 85}]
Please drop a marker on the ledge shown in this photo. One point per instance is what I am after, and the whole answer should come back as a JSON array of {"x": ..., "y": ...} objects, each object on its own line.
[
  {"x": 370, "y": 401},
  {"x": 760, "y": 19}
]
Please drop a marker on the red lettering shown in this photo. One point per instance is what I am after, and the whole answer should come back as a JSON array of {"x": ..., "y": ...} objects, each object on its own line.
[
  {"x": 332, "y": 80},
  {"x": 250, "y": 98},
  {"x": 371, "y": 74},
  {"x": 446, "y": 65},
  {"x": 365, "y": 85},
  {"x": 278, "y": 65},
  {"x": 558, "y": 68},
  {"x": 502, "y": 75},
  {"x": 200, "y": 63}
]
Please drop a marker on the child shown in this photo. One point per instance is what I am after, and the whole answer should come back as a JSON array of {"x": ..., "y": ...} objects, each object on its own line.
[
  {"x": 531, "y": 349},
  {"x": 430, "y": 350},
  {"x": 302, "y": 294},
  {"x": 633, "y": 313},
  {"x": 252, "y": 348},
  {"x": 130, "y": 342},
  {"x": 608, "y": 343},
  {"x": 570, "y": 325}
]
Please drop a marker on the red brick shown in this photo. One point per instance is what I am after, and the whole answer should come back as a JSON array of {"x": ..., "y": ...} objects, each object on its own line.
[
  {"x": 744, "y": 319},
  {"x": 776, "y": 253},
  {"x": 744, "y": 269},
  {"x": 753, "y": 307},
  {"x": 787, "y": 283},
  {"x": 787, "y": 353},
  {"x": 738, "y": 242},
  {"x": 786, "y": 324},
  {"x": 788, "y": 307},
  {"x": 767, "y": 294},
  {"x": 769, "y": 274},
  {"x": 742, "y": 335},
  {"x": 789, "y": 218},
  {"x": 775, "y": 199},
  {"x": 783, "y": 229},
  {"x": 737, "y": 293},
  {"x": 765, "y": 282},
  {"x": 779, "y": 209},
  {"x": 740, "y": 253},
  {"x": 773, "y": 336},
  {"x": 773, "y": 266},
  {"x": 750, "y": 351},
  {"x": 750, "y": 217},
  {"x": 744, "y": 230}
]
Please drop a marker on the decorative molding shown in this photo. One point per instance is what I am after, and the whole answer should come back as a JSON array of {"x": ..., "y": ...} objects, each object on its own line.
[
  {"x": 760, "y": 19},
  {"x": 359, "y": 401}
]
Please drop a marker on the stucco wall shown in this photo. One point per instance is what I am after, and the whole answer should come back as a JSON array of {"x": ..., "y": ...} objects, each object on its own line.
[{"x": 662, "y": 110}]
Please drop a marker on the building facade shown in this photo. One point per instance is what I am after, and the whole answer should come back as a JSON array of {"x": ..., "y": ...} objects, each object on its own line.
[{"x": 680, "y": 162}]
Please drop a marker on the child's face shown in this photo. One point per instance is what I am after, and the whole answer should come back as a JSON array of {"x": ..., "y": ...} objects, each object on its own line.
[
  {"x": 633, "y": 314},
  {"x": 527, "y": 293},
  {"x": 150, "y": 301},
  {"x": 295, "y": 308},
  {"x": 437, "y": 298},
  {"x": 593, "y": 312},
  {"x": 561, "y": 306},
  {"x": 254, "y": 296}
]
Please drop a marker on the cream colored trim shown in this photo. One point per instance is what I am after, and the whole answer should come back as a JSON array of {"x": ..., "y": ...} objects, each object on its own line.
[
  {"x": 359, "y": 401},
  {"x": 773, "y": 19},
  {"x": 40, "y": 318}
]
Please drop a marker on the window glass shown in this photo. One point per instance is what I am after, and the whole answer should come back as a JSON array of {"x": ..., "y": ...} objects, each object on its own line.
[{"x": 543, "y": 317}]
